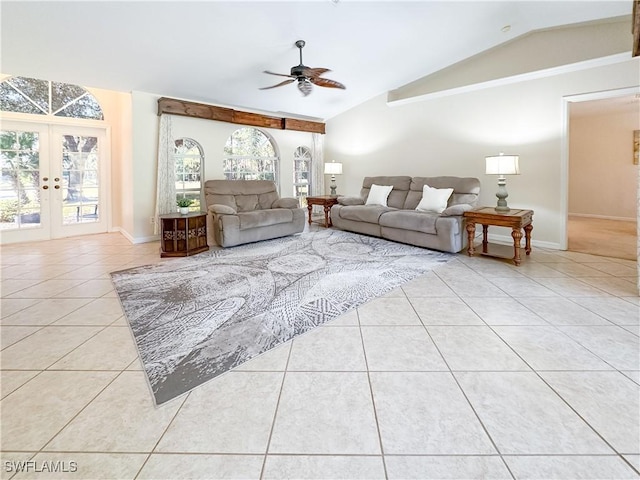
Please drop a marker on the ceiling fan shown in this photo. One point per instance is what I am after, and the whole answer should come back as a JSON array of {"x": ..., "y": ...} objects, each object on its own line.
[{"x": 306, "y": 76}]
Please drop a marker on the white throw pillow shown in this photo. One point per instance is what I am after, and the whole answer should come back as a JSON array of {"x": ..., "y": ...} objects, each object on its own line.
[
  {"x": 378, "y": 194},
  {"x": 434, "y": 199}
]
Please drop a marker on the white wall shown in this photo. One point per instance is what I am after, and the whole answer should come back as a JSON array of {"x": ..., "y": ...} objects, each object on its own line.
[
  {"x": 452, "y": 135},
  {"x": 602, "y": 176},
  {"x": 211, "y": 135}
]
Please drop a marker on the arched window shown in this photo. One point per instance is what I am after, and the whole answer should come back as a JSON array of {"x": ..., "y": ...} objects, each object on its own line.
[
  {"x": 302, "y": 174},
  {"x": 189, "y": 161},
  {"x": 249, "y": 154},
  {"x": 43, "y": 97}
]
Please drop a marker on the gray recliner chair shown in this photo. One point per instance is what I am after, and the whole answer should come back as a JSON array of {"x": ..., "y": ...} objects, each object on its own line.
[{"x": 245, "y": 211}]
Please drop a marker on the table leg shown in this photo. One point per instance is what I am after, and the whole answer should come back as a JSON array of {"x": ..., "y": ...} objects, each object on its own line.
[
  {"x": 471, "y": 231},
  {"x": 516, "y": 233},
  {"x": 310, "y": 208},
  {"x": 527, "y": 238},
  {"x": 485, "y": 238},
  {"x": 327, "y": 208}
]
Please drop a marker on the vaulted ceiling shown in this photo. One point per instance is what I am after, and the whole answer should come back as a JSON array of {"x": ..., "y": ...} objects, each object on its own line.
[{"x": 215, "y": 52}]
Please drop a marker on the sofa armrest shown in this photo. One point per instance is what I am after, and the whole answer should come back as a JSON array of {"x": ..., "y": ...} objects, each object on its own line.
[
  {"x": 221, "y": 209},
  {"x": 456, "y": 209},
  {"x": 350, "y": 201},
  {"x": 286, "y": 202}
]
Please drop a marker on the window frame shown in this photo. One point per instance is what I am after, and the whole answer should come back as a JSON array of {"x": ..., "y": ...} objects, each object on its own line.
[
  {"x": 189, "y": 192},
  {"x": 302, "y": 154},
  {"x": 236, "y": 167}
]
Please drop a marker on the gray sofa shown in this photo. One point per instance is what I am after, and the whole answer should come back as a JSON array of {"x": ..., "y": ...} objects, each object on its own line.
[
  {"x": 400, "y": 221},
  {"x": 244, "y": 211}
]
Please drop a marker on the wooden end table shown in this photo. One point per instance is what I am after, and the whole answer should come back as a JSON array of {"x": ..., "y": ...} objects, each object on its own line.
[
  {"x": 183, "y": 235},
  {"x": 515, "y": 218},
  {"x": 327, "y": 201}
]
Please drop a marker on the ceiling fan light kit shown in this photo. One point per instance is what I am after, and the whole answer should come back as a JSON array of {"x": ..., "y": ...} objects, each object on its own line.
[{"x": 306, "y": 76}]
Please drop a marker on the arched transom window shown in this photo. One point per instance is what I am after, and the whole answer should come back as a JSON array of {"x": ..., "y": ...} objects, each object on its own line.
[
  {"x": 44, "y": 97},
  {"x": 249, "y": 154}
]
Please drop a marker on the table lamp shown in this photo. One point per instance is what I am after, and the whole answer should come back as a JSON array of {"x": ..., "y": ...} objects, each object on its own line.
[
  {"x": 502, "y": 165},
  {"x": 333, "y": 169}
]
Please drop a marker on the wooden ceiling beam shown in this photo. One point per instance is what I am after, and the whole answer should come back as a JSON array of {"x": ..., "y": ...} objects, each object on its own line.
[{"x": 229, "y": 115}]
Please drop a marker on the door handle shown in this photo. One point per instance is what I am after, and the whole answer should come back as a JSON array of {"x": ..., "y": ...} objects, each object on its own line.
[
  {"x": 45, "y": 179},
  {"x": 56, "y": 179},
  {"x": 45, "y": 187},
  {"x": 57, "y": 187}
]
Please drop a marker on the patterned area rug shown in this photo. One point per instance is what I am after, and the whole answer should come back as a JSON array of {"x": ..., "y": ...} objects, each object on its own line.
[{"x": 198, "y": 317}]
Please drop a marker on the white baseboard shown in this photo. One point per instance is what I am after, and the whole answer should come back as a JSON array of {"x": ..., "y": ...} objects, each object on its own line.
[
  {"x": 602, "y": 217},
  {"x": 508, "y": 240},
  {"x": 134, "y": 240}
]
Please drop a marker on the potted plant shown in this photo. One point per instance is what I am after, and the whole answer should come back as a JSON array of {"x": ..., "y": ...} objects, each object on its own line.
[{"x": 184, "y": 204}]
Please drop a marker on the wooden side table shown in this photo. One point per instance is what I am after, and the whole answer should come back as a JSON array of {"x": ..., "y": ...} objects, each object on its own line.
[
  {"x": 515, "y": 218},
  {"x": 183, "y": 235},
  {"x": 327, "y": 201}
]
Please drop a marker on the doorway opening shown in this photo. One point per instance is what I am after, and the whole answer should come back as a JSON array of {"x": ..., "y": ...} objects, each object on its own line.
[{"x": 601, "y": 177}]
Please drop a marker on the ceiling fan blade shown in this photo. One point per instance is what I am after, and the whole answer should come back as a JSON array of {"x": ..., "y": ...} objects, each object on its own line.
[
  {"x": 286, "y": 82},
  {"x": 278, "y": 74},
  {"x": 314, "y": 72},
  {"x": 305, "y": 87},
  {"x": 325, "y": 82}
]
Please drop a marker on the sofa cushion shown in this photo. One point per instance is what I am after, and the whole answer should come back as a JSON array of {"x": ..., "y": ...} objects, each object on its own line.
[
  {"x": 378, "y": 194},
  {"x": 266, "y": 200},
  {"x": 246, "y": 203},
  {"x": 465, "y": 190},
  {"x": 434, "y": 199},
  {"x": 410, "y": 220},
  {"x": 398, "y": 194},
  {"x": 263, "y": 218},
  {"x": 363, "y": 213}
]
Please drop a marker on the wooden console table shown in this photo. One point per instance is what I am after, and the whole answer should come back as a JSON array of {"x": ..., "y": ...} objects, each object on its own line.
[
  {"x": 183, "y": 235},
  {"x": 327, "y": 201},
  {"x": 515, "y": 218}
]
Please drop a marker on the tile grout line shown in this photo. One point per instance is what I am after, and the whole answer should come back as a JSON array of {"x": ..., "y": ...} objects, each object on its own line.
[
  {"x": 146, "y": 460},
  {"x": 275, "y": 413},
  {"x": 41, "y": 450},
  {"x": 373, "y": 401},
  {"x": 536, "y": 372},
  {"x": 455, "y": 379}
]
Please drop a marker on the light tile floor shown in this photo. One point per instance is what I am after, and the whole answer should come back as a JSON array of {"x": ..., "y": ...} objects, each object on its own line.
[{"x": 478, "y": 369}]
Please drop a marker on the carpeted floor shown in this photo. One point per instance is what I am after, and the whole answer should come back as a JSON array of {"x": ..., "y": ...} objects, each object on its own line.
[
  {"x": 598, "y": 236},
  {"x": 196, "y": 318}
]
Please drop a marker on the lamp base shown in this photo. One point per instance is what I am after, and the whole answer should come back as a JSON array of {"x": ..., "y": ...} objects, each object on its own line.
[
  {"x": 502, "y": 195},
  {"x": 333, "y": 186}
]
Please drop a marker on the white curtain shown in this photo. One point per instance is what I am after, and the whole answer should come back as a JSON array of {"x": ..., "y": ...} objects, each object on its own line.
[
  {"x": 317, "y": 154},
  {"x": 166, "y": 185}
]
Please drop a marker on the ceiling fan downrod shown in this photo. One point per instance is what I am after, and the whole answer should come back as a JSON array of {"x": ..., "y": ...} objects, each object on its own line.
[{"x": 300, "y": 44}]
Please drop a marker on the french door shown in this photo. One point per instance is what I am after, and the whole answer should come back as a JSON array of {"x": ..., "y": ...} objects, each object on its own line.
[{"x": 53, "y": 182}]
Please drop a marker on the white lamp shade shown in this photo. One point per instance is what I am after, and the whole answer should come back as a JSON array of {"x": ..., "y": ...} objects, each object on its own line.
[
  {"x": 333, "y": 168},
  {"x": 503, "y": 165}
]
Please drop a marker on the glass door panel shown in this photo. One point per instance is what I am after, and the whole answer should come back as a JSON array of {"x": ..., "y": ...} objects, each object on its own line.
[
  {"x": 24, "y": 196},
  {"x": 80, "y": 177},
  {"x": 52, "y": 181},
  {"x": 80, "y": 162}
]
